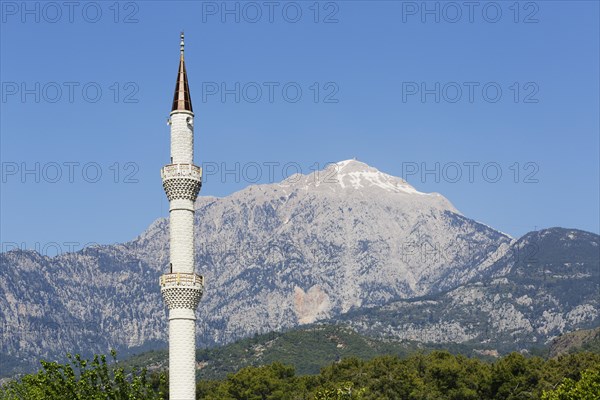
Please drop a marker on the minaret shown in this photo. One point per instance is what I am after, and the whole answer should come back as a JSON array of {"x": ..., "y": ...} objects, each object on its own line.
[{"x": 182, "y": 288}]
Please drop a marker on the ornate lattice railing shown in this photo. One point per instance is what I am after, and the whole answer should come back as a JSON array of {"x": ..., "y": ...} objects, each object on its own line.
[
  {"x": 181, "y": 290},
  {"x": 181, "y": 171},
  {"x": 181, "y": 278},
  {"x": 181, "y": 181}
]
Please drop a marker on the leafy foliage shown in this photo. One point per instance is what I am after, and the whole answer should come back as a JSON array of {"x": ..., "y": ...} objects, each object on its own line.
[
  {"x": 438, "y": 375},
  {"x": 587, "y": 388},
  {"x": 81, "y": 379}
]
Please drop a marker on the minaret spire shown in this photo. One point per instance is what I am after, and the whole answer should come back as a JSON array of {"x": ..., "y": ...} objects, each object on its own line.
[
  {"x": 181, "y": 287},
  {"x": 182, "y": 100}
]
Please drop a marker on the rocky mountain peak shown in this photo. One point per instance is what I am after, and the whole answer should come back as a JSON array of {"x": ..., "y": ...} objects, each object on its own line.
[
  {"x": 352, "y": 175},
  {"x": 353, "y": 178}
]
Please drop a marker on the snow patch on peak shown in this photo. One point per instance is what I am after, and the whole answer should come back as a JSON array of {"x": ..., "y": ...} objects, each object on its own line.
[
  {"x": 365, "y": 179},
  {"x": 351, "y": 177},
  {"x": 351, "y": 165},
  {"x": 358, "y": 175},
  {"x": 343, "y": 163}
]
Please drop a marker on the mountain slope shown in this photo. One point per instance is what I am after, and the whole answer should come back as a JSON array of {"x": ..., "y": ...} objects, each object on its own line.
[
  {"x": 545, "y": 285},
  {"x": 313, "y": 246},
  {"x": 582, "y": 340}
]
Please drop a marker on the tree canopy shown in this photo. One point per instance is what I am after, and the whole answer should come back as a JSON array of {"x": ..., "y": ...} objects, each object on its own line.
[{"x": 438, "y": 375}]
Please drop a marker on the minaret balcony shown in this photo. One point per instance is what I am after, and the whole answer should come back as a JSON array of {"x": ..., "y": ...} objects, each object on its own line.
[
  {"x": 181, "y": 181},
  {"x": 182, "y": 290}
]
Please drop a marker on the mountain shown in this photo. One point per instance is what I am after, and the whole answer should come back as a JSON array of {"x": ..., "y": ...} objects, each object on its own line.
[
  {"x": 313, "y": 247},
  {"x": 546, "y": 284}
]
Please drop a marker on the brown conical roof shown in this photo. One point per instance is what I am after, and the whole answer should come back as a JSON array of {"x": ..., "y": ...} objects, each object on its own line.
[{"x": 182, "y": 101}]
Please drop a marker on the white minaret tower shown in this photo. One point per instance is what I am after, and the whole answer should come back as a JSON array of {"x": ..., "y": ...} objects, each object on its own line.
[{"x": 182, "y": 288}]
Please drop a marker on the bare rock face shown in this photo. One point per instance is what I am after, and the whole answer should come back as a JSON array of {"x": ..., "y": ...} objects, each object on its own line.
[
  {"x": 311, "y": 305},
  {"x": 274, "y": 256}
]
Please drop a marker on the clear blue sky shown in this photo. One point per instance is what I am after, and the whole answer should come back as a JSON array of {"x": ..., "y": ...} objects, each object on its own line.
[{"x": 373, "y": 57}]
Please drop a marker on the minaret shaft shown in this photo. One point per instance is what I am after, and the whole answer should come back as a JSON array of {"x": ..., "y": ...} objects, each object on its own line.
[
  {"x": 182, "y": 378},
  {"x": 182, "y": 288},
  {"x": 182, "y": 138},
  {"x": 181, "y": 235}
]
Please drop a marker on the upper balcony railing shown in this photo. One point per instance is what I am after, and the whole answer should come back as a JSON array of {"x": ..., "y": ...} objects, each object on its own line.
[
  {"x": 181, "y": 171},
  {"x": 181, "y": 278}
]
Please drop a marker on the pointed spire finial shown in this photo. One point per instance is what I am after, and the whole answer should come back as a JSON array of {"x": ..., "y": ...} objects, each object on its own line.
[
  {"x": 182, "y": 44},
  {"x": 182, "y": 101}
]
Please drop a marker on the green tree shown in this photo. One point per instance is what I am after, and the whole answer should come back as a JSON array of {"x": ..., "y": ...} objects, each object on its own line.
[
  {"x": 270, "y": 382},
  {"x": 81, "y": 379},
  {"x": 515, "y": 377},
  {"x": 392, "y": 378},
  {"x": 345, "y": 391},
  {"x": 587, "y": 388},
  {"x": 453, "y": 377}
]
